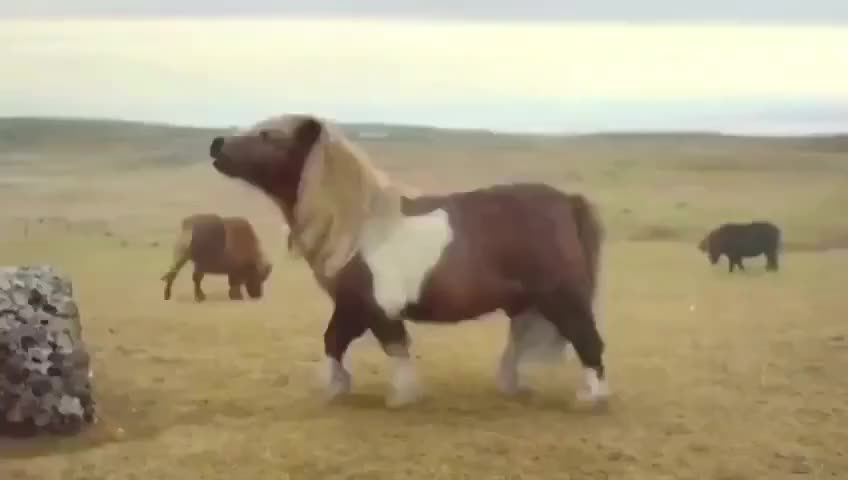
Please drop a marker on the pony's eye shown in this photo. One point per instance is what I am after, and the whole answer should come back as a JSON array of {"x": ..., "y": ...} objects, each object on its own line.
[{"x": 263, "y": 134}]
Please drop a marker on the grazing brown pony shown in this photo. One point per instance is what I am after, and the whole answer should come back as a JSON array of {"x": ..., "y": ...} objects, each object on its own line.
[
  {"x": 743, "y": 240},
  {"x": 220, "y": 246},
  {"x": 384, "y": 255}
]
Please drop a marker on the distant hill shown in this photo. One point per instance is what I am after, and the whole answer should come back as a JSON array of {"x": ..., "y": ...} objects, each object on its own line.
[
  {"x": 138, "y": 144},
  {"x": 29, "y": 131},
  {"x": 821, "y": 143},
  {"x": 74, "y": 140}
]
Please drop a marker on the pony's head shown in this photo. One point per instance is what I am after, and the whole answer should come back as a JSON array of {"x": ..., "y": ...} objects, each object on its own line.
[
  {"x": 254, "y": 282},
  {"x": 326, "y": 187},
  {"x": 707, "y": 245},
  {"x": 703, "y": 244}
]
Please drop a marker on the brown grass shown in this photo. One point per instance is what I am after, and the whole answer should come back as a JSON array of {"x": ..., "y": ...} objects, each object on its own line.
[{"x": 715, "y": 376}]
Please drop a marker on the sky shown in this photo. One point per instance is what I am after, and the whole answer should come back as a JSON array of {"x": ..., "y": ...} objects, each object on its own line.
[
  {"x": 790, "y": 11},
  {"x": 758, "y": 66}
]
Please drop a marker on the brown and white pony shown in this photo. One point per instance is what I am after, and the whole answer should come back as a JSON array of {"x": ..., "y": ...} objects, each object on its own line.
[
  {"x": 384, "y": 255},
  {"x": 219, "y": 246}
]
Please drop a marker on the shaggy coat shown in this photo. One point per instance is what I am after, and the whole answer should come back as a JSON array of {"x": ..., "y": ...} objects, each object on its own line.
[
  {"x": 219, "y": 246},
  {"x": 385, "y": 254},
  {"x": 741, "y": 240}
]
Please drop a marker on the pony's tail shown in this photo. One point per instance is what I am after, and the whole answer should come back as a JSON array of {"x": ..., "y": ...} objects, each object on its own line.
[
  {"x": 291, "y": 245},
  {"x": 772, "y": 262},
  {"x": 778, "y": 240},
  {"x": 181, "y": 253},
  {"x": 591, "y": 233}
]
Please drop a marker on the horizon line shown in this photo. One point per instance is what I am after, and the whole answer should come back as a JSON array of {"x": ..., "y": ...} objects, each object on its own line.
[{"x": 492, "y": 131}]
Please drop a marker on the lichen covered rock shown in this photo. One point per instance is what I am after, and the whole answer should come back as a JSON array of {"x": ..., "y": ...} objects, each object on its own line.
[{"x": 45, "y": 375}]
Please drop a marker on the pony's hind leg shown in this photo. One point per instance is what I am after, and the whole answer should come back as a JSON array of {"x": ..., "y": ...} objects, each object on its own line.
[
  {"x": 508, "y": 378},
  {"x": 572, "y": 314},
  {"x": 197, "y": 278},
  {"x": 179, "y": 261},
  {"x": 169, "y": 283},
  {"x": 531, "y": 335},
  {"x": 771, "y": 261}
]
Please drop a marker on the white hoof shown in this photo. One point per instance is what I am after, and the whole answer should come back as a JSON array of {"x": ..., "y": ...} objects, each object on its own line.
[
  {"x": 593, "y": 397},
  {"x": 406, "y": 388},
  {"x": 596, "y": 391},
  {"x": 398, "y": 398},
  {"x": 509, "y": 384},
  {"x": 339, "y": 386},
  {"x": 515, "y": 390}
]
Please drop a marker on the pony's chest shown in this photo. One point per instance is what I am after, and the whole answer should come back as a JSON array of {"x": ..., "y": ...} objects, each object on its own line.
[{"x": 401, "y": 257}]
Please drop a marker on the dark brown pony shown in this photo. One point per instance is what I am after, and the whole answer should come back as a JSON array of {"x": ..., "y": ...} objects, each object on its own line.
[
  {"x": 219, "y": 246},
  {"x": 384, "y": 255},
  {"x": 743, "y": 240}
]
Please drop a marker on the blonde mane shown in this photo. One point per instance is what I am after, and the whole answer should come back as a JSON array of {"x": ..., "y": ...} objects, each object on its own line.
[{"x": 340, "y": 192}]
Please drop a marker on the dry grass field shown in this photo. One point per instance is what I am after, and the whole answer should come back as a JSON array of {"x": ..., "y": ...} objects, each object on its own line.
[{"x": 714, "y": 376}]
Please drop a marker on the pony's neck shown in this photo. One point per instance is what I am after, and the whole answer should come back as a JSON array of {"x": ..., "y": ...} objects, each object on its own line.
[
  {"x": 328, "y": 235},
  {"x": 285, "y": 199}
]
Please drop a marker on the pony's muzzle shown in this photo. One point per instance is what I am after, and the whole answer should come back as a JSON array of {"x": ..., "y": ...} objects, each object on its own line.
[{"x": 216, "y": 146}]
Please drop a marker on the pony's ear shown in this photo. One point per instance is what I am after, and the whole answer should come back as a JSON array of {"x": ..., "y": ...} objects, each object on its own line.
[
  {"x": 304, "y": 139},
  {"x": 307, "y": 132}
]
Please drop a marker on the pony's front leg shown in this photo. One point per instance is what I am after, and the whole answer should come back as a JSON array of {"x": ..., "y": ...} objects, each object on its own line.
[
  {"x": 343, "y": 328},
  {"x": 235, "y": 281},
  {"x": 395, "y": 341}
]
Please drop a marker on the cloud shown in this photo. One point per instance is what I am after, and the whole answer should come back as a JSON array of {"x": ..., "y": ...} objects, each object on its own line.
[
  {"x": 494, "y": 75},
  {"x": 784, "y": 11}
]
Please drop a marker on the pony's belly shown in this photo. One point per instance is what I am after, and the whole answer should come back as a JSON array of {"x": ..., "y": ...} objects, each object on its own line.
[
  {"x": 216, "y": 267},
  {"x": 747, "y": 250},
  {"x": 451, "y": 302},
  {"x": 423, "y": 313}
]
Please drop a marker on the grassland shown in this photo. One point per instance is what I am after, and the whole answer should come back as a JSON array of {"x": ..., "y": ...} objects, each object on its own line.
[{"x": 714, "y": 376}]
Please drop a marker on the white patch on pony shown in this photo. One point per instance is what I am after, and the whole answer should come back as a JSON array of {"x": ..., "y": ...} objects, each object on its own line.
[
  {"x": 401, "y": 253},
  {"x": 335, "y": 378},
  {"x": 405, "y": 385},
  {"x": 597, "y": 389}
]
